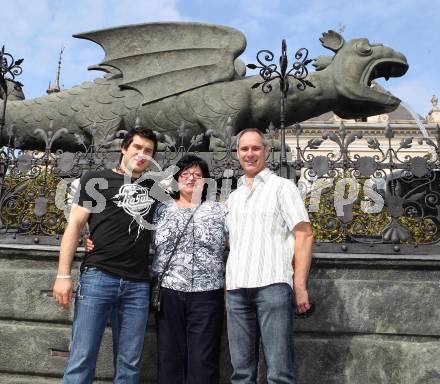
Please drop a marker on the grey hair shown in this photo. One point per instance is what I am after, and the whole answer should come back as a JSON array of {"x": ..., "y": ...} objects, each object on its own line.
[{"x": 256, "y": 130}]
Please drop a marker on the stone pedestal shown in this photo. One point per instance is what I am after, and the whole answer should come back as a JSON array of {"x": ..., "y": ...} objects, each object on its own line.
[{"x": 376, "y": 322}]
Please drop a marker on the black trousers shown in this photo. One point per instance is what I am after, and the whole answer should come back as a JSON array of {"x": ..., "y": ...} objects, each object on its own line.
[{"x": 189, "y": 329}]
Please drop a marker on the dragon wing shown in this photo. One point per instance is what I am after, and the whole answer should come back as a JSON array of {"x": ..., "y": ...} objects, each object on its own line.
[{"x": 164, "y": 59}]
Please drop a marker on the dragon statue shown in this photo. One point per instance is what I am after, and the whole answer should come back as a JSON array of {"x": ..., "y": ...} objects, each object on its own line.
[{"x": 188, "y": 75}]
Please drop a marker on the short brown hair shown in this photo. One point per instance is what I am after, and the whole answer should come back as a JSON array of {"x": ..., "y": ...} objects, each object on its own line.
[{"x": 145, "y": 133}]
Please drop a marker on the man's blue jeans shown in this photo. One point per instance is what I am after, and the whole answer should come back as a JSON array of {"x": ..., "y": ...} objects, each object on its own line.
[
  {"x": 265, "y": 312},
  {"x": 100, "y": 296}
]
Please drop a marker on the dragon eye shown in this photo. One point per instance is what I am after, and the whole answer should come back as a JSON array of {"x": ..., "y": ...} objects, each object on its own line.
[{"x": 363, "y": 49}]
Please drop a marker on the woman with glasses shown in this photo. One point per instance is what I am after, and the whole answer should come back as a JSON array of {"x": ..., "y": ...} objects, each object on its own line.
[{"x": 190, "y": 241}]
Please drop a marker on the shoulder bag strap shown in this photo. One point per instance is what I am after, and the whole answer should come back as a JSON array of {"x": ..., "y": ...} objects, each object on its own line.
[{"x": 167, "y": 264}]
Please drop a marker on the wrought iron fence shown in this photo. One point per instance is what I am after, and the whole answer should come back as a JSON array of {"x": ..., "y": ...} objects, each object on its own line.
[
  {"x": 380, "y": 203},
  {"x": 385, "y": 202}
]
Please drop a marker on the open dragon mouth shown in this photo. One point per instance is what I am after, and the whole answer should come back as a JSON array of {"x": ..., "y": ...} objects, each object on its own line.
[
  {"x": 368, "y": 98},
  {"x": 385, "y": 68}
]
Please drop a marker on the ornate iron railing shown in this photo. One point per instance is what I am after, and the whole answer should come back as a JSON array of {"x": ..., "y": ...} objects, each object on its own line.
[
  {"x": 387, "y": 197},
  {"x": 384, "y": 202}
]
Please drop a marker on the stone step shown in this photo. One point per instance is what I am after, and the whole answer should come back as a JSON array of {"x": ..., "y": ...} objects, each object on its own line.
[{"x": 36, "y": 348}]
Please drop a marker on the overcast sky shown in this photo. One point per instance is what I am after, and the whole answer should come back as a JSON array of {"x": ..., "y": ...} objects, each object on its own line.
[{"x": 36, "y": 30}]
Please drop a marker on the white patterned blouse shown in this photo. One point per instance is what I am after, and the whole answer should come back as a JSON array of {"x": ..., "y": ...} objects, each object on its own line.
[{"x": 198, "y": 263}]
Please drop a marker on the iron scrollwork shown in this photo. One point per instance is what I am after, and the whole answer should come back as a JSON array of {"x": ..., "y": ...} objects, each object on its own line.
[
  {"x": 9, "y": 69},
  {"x": 30, "y": 200},
  {"x": 269, "y": 72}
]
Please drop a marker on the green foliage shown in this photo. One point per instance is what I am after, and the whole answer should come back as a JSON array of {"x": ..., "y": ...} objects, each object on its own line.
[
  {"x": 20, "y": 192},
  {"x": 328, "y": 227}
]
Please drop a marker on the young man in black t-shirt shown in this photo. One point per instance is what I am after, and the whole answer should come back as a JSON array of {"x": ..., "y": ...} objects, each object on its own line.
[{"x": 114, "y": 276}]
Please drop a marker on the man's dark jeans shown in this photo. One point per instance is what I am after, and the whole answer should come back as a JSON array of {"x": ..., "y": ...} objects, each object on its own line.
[{"x": 265, "y": 312}]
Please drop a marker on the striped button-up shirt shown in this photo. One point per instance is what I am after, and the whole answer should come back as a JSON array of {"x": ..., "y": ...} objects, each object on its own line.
[{"x": 261, "y": 221}]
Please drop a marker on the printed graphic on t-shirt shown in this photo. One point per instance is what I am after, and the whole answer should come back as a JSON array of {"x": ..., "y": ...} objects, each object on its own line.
[{"x": 135, "y": 201}]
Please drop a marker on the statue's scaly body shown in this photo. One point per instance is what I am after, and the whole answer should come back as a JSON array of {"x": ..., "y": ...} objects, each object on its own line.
[{"x": 205, "y": 100}]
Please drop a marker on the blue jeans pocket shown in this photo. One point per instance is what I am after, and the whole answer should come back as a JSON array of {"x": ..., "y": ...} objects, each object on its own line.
[
  {"x": 78, "y": 295},
  {"x": 91, "y": 283},
  {"x": 87, "y": 270}
]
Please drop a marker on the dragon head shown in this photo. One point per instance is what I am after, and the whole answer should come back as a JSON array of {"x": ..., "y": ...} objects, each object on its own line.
[{"x": 353, "y": 68}]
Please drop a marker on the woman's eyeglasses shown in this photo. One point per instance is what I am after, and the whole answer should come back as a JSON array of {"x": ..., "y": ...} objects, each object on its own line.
[{"x": 187, "y": 175}]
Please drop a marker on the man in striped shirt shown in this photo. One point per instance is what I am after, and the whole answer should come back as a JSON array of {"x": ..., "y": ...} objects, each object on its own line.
[{"x": 268, "y": 265}]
